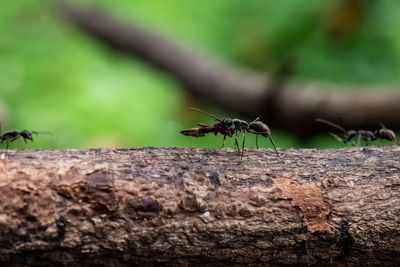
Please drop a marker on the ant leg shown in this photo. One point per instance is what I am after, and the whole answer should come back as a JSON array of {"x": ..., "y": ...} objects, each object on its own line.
[
  {"x": 6, "y": 149},
  {"x": 223, "y": 141},
  {"x": 26, "y": 143},
  {"x": 272, "y": 142},
  {"x": 257, "y": 141},
  {"x": 244, "y": 139},
  {"x": 236, "y": 142}
]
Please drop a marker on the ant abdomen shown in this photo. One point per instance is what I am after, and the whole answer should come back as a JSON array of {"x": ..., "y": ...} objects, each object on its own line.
[
  {"x": 260, "y": 127},
  {"x": 387, "y": 134}
]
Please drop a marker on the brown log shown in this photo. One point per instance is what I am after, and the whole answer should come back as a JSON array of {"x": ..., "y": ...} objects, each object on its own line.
[
  {"x": 290, "y": 105},
  {"x": 186, "y": 206}
]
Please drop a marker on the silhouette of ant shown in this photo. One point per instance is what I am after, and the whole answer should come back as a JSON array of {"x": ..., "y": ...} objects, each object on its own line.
[
  {"x": 224, "y": 127},
  {"x": 12, "y": 135},
  {"x": 367, "y": 136}
]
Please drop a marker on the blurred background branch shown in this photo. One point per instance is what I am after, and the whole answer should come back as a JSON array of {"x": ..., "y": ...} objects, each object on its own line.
[
  {"x": 286, "y": 62},
  {"x": 291, "y": 106}
]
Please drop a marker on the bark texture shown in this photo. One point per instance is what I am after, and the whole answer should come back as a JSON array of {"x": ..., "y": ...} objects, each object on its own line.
[
  {"x": 285, "y": 104},
  {"x": 180, "y": 206}
]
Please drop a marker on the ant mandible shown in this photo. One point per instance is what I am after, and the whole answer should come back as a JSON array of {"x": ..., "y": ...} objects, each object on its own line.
[{"x": 219, "y": 127}]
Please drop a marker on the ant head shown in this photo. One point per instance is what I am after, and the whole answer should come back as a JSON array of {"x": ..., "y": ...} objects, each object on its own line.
[
  {"x": 351, "y": 133},
  {"x": 228, "y": 122},
  {"x": 27, "y": 135}
]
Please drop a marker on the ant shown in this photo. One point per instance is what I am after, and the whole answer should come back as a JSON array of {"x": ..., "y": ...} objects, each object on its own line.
[
  {"x": 367, "y": 136},
  {"x": 224, "y": 127},
  {"x": 12, "y": 135}
]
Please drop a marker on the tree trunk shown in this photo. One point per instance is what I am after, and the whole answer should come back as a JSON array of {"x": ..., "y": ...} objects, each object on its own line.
[{"x": 186, "y": 206}]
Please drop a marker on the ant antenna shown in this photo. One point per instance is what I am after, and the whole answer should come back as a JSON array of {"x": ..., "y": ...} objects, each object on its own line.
[
  {"x": 42, "y": 132},
  {"x": 331, "y": 124},
  {"x": 199, "y": 110}
]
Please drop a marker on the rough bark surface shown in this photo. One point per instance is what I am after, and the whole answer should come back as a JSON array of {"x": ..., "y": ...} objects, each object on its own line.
[{"x": 180, "y": 206}]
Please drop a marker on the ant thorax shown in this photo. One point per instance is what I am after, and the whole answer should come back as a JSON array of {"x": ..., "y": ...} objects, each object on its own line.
[
  {"x": 241, "y": 125},
  {"x": 368, "y": 135}
]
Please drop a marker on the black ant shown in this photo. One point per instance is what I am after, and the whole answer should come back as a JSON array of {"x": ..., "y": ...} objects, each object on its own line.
[
  {"x": 12, "y": 135},
  {"x": 256, "y": 127},
  {"x": 367, "y": 136}
]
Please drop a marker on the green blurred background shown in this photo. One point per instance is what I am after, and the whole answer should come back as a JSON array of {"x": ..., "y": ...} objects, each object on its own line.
[{"x": 53, "y": 77}]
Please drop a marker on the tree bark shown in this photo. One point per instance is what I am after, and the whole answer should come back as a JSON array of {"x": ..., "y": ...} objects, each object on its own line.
[
  {"x": 289, "y": 105},
  {"x": 186, "y": 206}
]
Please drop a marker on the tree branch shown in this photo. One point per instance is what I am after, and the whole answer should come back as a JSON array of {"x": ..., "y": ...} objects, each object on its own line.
[
  {"x": 291, "y": 106},
  {"x": 200, "y": 206}
]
